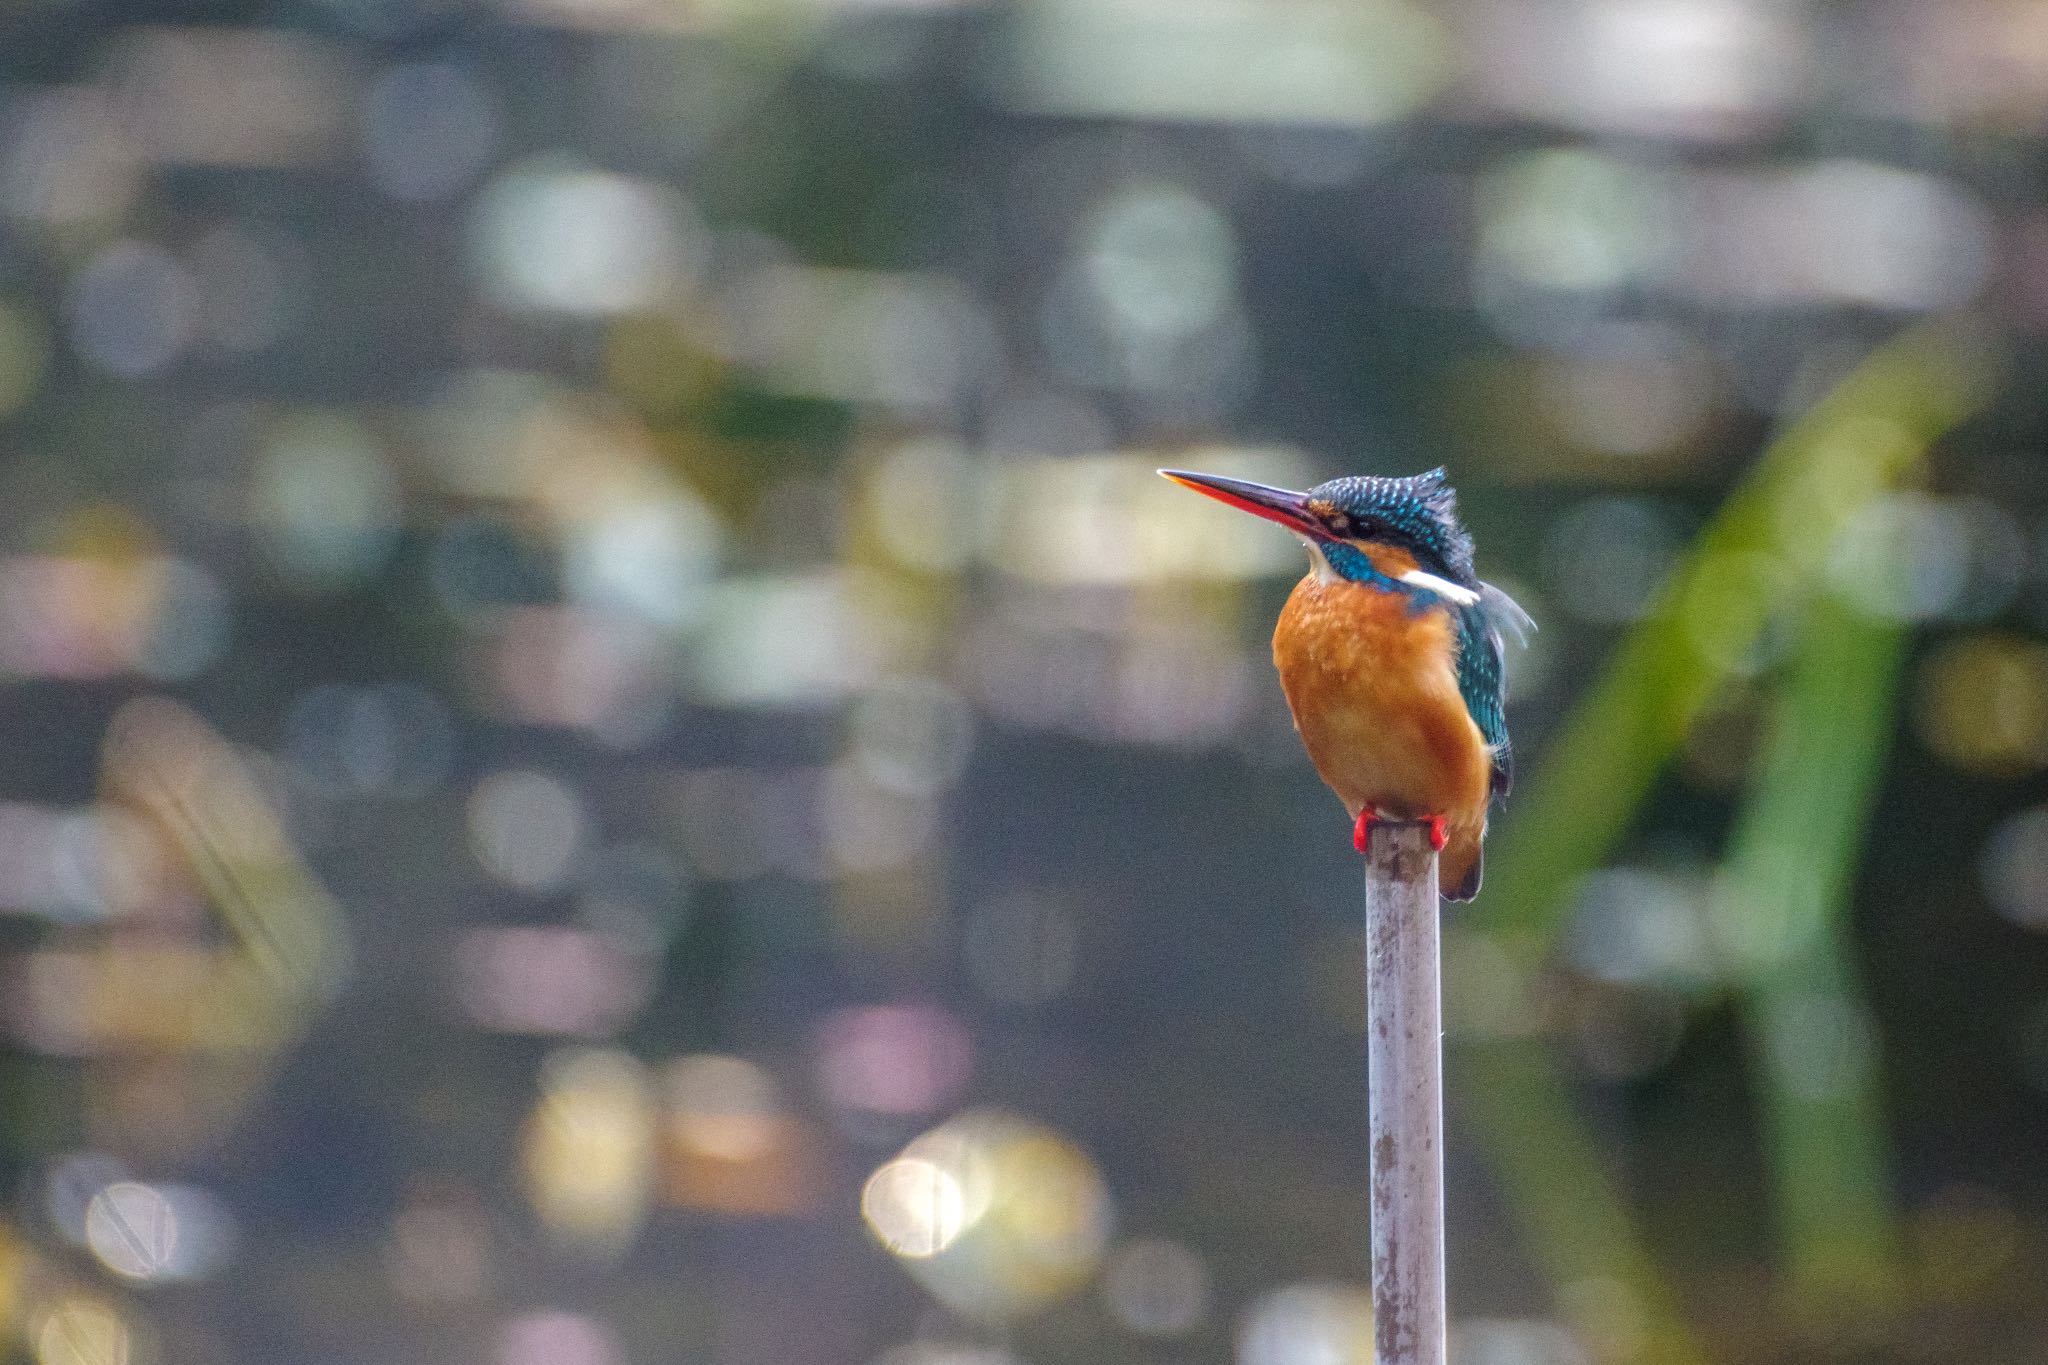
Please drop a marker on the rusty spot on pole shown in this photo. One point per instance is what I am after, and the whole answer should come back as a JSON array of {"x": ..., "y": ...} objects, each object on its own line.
[{"x": 1389, "y": 1317}]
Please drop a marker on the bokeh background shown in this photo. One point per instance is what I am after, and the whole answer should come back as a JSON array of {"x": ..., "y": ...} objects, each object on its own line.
[{"x": 612, "y": 755}]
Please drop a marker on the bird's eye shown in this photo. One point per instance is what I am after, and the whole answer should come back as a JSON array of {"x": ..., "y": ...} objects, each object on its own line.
[{"x": 1367, "y": 526}]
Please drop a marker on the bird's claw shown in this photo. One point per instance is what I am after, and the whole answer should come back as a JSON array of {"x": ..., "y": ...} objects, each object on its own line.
[{"x": 1361, "y": 832}]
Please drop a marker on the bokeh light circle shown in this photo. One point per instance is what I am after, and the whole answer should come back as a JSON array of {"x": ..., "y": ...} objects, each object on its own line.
[
  {"x": 914, "y": 1206},
  {"x": 526, "y": 827}
]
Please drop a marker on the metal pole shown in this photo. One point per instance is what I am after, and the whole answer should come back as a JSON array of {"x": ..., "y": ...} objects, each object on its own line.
[{"x": 1405, "y": 1064}]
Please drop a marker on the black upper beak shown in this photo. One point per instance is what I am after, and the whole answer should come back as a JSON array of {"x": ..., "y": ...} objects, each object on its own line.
[{"x": 1289, "y": 508}]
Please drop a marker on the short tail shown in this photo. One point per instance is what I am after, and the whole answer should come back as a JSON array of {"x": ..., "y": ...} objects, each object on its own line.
[{"x": 1459, "y": 868}]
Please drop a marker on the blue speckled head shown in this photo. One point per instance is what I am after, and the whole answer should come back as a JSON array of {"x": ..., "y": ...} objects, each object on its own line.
[{"x": 1419, "y": 514}]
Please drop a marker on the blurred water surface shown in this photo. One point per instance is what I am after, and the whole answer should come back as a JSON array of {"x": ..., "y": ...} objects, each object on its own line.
[{"x": 614, "y": 755}]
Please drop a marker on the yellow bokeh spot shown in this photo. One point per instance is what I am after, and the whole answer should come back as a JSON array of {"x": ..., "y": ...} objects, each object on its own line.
[
  {"x": 994, "y": 1214},
  {"x": 1983, "y": 704},
  {"x": 587, "y": 1148},
  {"x": 77, "y": 1330}
]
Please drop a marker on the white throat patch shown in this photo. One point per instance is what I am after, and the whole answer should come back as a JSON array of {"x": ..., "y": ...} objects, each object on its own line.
[{"x": 1318, "y": 562}]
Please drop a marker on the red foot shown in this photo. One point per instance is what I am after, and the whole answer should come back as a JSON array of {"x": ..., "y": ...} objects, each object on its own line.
[{"x": 1361, "y": 832}]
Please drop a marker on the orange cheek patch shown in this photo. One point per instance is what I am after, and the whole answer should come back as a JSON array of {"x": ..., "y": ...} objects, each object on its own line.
[{"x": 1389, "y": 560}]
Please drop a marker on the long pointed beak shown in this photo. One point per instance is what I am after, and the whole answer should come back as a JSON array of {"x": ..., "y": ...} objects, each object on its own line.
[{"x": 1288, "y": 508}]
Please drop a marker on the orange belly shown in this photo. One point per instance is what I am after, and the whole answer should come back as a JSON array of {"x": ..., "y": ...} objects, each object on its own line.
[{"x": 1374, "y": 691}]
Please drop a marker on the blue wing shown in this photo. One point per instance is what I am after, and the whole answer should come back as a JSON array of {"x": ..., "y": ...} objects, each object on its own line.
[{"x": 1482, "y": 674}]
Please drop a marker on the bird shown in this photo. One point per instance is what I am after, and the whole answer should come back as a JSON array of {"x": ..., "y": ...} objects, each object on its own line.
[{"x": 1391, "y": 654}]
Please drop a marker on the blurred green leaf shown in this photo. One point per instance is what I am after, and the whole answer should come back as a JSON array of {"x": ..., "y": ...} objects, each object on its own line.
[
  {"x": 1760, "y": 556},
  {"x": 1760, "y": 551},
  {"x": 1782, "y": 900}
]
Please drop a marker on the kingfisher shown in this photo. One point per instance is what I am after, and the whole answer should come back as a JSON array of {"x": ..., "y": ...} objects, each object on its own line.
[{"x": 1390, "y": 652}]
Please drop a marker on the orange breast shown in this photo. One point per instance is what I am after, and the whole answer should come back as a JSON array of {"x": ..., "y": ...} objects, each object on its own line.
[{"x": 1374, "y": 692}]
